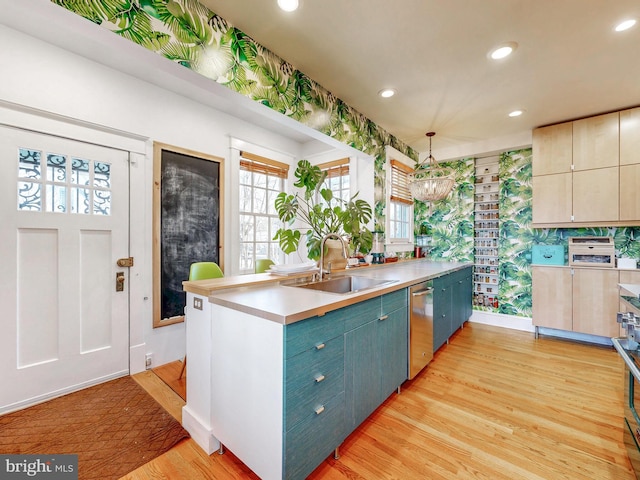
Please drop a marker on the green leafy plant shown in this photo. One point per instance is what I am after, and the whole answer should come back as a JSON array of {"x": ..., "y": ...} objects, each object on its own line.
[{"x": 321, "y": 213}]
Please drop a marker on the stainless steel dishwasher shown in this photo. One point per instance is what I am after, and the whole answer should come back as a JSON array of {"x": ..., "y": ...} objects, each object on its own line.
[{"x": 420, "y": 327}]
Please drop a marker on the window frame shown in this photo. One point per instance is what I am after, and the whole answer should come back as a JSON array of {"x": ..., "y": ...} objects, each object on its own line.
[
  {"x": 398, "y": 195},
  {"x": 337, "y": 169},
  {"x": 269, "y": 169}
]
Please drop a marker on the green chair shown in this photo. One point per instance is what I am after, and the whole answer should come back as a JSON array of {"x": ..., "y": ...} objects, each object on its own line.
[
  {"x": 263, "y": 264},
  {"x": 204, "y": 271},
  {"x": 201, "y": 271}
]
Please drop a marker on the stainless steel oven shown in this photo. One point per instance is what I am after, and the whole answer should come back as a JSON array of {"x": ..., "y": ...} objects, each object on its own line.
[
  {"x": 631, "y": 433},
  {"x": 627, "y": 347}
]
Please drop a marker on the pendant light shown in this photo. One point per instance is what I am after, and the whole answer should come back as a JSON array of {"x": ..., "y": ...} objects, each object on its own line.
[{"x": 429, "y": 182}]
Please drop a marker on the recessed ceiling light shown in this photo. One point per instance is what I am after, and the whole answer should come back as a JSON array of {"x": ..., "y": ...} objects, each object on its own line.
[
  {"x": 502, "y": 51},
  {"x": 288, "y": 5},
  {"x": 387, "y": 92},
  {"x": 626, "y": 25},
  {"x": 516, "y": 113}
]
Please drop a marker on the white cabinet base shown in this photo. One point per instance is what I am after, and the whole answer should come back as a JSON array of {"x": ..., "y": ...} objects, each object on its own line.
[{"x": 200, "y": 431}]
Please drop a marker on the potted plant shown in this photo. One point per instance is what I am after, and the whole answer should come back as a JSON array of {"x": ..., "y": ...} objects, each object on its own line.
[{"x": 321, "y": 213}]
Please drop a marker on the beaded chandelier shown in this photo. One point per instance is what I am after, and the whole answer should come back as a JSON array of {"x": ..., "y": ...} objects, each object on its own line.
[{"x": 429, "y": 182}]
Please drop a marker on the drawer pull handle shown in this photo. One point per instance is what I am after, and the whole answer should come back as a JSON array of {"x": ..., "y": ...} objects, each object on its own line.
[
  {"x": 319, "y": 409},
  {"x": 320, "y": 346},
  {"x": 319, "y": 378},
  {"x": 384, "y": 317}
]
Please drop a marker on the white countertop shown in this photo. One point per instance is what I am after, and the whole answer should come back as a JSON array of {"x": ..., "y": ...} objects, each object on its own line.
[{"x": 288, "y": 304}]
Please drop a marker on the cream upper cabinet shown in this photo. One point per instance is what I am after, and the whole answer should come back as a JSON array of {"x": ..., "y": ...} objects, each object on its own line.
[
  {"x": 552, "y": 200},
  {"x": 630, "y": 192},
  {"x": 600, "y": 186},
  {"x": 596, "y": 142},
  {"x": 595, "y": 195},
  {"x": 552, "y": 149},
  {"x": 630, "y": 164},
  {"x": 630, "y": 137}
]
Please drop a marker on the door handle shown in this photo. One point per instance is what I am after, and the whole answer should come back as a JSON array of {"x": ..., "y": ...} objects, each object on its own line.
[
  {"x": 119, "y": 281},
  {"x": 422, "y": 292}
]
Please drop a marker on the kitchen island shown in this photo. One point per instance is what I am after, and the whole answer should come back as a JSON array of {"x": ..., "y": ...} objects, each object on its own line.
[{"x": 280, "y": 374}]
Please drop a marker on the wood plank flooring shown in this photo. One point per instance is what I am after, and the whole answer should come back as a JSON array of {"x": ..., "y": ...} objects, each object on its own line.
[{"x": 493, "y": 404}]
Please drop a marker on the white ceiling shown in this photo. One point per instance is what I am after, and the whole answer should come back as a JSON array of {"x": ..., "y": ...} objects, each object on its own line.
[{"x": 569, "y": 62}]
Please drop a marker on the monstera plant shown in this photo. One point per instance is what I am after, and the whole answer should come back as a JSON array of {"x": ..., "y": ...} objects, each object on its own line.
[{"x": 321, "y": 213}]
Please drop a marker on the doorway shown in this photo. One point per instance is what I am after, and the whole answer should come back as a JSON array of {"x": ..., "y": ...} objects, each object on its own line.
[{"x": 64, "y": 208}]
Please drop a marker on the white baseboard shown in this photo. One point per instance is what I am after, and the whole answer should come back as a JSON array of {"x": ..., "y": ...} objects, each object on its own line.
[
  {"x": 137, "y": 358},
  {"x": 501, "y": 320},
  {"x": 200, "y": 433}
]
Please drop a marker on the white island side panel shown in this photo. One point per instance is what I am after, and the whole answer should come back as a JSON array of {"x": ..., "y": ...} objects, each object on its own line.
[{"x": 247, "y": 388}]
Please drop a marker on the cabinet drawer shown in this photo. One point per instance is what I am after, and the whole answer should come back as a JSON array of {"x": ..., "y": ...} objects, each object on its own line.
[
  {"x": 315, "y": 438},
  {"x": 313, "y": 377},
  {"x": 361, "y": 313},
  {"x": 309, "y": 333},
  {"x": 394, "y": 301}
]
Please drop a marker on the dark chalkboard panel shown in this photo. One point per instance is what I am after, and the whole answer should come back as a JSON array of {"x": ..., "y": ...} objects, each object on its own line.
[{"x": 187, "y": 227}]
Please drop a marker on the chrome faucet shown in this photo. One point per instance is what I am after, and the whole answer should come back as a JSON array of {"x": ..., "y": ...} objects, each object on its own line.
[{"x": 322, "y": 242}]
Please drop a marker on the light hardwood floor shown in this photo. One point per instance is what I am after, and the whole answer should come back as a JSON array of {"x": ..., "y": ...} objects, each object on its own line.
[{"x": 493, "y": 404}]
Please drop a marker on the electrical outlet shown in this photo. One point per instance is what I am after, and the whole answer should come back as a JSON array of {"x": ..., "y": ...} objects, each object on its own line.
[
  {"x": 148, "y": 360},
  {"x": 197, "y": 303}
]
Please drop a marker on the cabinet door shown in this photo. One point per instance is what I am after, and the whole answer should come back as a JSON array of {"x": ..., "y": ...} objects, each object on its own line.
[
  {"x": 630, "y": 136},
  {"x": 595, "y": 301},
  {"x": 552, "y": 198},
  {"x": 362, "y": 378},
  {"x": 392, "y": 337},
  {"x": 442, "y": 312},
  {"x": 552, "y": 148},
  {"x": 461, "y": 298},
  {"x": 596, "y": 142},
  {"x": 595, "y": 195},
  {"x": 630, "y": 192},
  {"x": 552, "y": 297}
]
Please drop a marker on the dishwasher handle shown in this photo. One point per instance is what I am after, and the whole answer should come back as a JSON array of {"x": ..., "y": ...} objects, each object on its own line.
[{"x": 420, "y": 293}]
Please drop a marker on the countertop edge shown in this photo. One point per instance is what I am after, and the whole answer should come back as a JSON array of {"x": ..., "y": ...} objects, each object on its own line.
[{"x": 332, "y": 301}]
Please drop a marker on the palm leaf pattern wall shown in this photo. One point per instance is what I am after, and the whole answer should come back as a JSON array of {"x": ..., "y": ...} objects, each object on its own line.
[{"x": 188, "y": 33}]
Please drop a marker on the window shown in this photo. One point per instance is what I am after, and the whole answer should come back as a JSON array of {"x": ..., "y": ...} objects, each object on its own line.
[
  {"x": 261, "y": 179},
  {"x": 400, "y": 208},
  {"x": 337, "y": 178},
  {"x": 58, "y": 183}
]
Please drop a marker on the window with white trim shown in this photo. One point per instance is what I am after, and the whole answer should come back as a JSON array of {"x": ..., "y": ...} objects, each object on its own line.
[
  {"x": 400, "y": 206},
  {"x": 261, "y": 180},
  {"x": 337, "y": 179}
]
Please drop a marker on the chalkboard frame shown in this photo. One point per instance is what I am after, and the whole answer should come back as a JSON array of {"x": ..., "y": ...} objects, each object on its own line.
[{"x": 158, "y": 267}]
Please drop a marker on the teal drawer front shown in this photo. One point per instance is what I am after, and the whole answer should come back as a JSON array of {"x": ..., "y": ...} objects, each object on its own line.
[
  {"x": 305, "y": 334},
  {"x": 311, "y": 378},
  {"x": 314, "y": 438},
  {"x": 361, "y": 313},
  {"x": 394, "y": 301}
]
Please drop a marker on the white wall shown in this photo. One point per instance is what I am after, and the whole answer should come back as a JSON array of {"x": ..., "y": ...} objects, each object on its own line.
[{"x": 40, "y": 76}]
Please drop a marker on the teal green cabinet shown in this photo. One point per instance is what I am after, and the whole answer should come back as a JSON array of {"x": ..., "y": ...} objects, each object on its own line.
[
  {"x": 452, "y": 304},
  {"x": 376, "y": 355},
  {"x": 338, "y": 369},
  {"x": 314, "y": 407}
]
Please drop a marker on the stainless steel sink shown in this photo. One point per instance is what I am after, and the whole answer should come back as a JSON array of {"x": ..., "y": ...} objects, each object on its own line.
[{"x": 345, "y": 284}]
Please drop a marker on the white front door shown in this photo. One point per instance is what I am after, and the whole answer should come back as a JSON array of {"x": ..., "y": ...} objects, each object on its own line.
[{"x": 64, "y": 215}]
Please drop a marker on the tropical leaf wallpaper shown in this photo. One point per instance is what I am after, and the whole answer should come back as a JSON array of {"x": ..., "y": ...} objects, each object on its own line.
[{"x": 188, "y": 33}]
